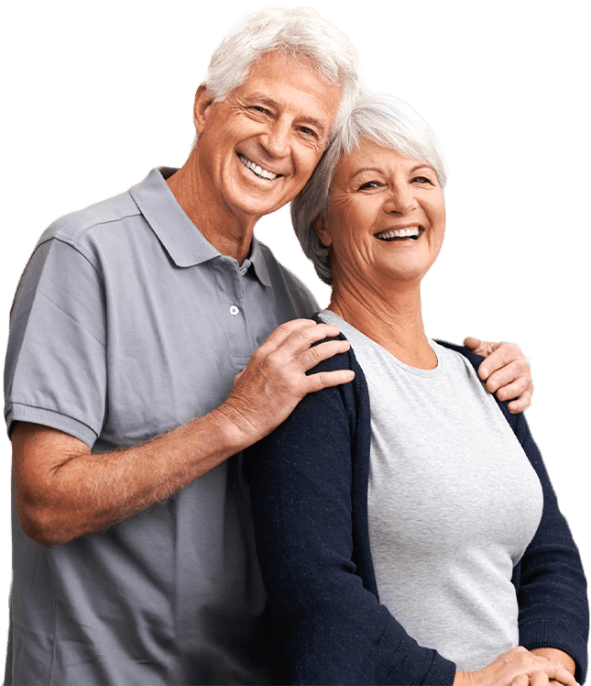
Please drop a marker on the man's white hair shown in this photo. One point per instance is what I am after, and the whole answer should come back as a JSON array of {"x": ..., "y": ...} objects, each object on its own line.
[
  {"x": 298, "y": 33},
  {"x": 383, "y": 119}
]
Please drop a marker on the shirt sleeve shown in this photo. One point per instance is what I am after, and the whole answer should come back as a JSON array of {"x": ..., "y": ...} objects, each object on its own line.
[
  {"x": 550, "y": 582},
  {"x": 55, "y": 372},
  {"x": 332, "y": 628}
]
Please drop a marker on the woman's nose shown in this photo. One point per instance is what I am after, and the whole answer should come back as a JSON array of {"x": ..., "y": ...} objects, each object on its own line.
[{"x": 400, "y": 199}]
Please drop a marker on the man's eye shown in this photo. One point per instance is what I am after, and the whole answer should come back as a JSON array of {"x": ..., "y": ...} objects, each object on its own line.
[
  {"x": 307, "y": 132},
  {"x": 258, "y": 108}
]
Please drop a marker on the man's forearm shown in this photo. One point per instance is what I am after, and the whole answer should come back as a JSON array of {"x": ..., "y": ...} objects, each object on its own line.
[
  {"x": 87, "y": 492},
  {"x": 64, "y": 491}
]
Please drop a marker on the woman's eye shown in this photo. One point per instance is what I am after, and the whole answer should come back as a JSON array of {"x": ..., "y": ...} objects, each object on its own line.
[
  {"x": 368, "y": 185},
  {"x": 306, "y": 131},
  {"x": 422, "y": 179}
]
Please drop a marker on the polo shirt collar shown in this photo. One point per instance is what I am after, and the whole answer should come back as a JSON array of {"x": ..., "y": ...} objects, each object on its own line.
[
  {"x": 257, "y": 259},
  {"x": 185, "y": 244}
]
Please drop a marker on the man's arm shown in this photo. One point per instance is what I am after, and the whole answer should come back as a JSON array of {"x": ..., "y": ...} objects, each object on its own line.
[
  {"x": 64, "y": 491},
  {"x": 506, "y": 372}
]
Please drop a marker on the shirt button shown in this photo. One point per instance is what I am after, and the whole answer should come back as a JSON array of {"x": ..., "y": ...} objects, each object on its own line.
[{"x": 234, "y": 310}]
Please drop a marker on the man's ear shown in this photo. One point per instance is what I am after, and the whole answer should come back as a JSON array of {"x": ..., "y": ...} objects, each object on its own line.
[
  {"x": 319, "y": 226},
  {"x": 201, "y": 108}
]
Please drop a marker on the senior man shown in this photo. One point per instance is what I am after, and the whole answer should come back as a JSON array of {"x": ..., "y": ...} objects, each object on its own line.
[{"x": 128, "y": 384}]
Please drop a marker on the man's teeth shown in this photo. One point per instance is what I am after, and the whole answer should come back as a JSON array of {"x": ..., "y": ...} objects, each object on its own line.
[
  {"x": 399, "y": 233},
  {"x": 259, "y": 171}
]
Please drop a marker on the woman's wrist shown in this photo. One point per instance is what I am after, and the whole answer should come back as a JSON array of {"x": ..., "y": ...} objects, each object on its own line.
[{"x": 558, "y": 656}]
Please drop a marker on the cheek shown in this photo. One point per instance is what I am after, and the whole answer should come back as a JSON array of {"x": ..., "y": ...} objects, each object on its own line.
[{"x": 306, "y": 160}]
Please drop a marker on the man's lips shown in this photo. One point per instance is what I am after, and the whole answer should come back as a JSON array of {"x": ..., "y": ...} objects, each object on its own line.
[
  {"x": 257, "y": 170},
  {"x": 411, "y": 232}
]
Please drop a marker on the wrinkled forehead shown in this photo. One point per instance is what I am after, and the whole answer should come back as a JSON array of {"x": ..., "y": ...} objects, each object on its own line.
[{"x": 287, "y": 58}]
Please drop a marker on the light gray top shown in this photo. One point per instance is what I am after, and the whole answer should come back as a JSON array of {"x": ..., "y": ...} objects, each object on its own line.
[
  {"x": 453, "y": 502},
  {"x": 126, "y": 324}
]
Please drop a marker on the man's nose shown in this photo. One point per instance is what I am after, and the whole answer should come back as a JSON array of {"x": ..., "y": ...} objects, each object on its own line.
[{"x": 276, "y": 140}]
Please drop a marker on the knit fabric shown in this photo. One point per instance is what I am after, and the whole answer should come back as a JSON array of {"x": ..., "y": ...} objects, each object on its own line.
[{"x": 308, "y": 482}]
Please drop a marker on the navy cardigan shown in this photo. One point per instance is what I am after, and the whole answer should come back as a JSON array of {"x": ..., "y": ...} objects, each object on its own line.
[{"x": 308, "y": 482}]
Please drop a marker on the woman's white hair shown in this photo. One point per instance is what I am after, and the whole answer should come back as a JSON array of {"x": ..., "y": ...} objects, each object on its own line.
[
  {"x": 299, "y": 33},
  {"x": 383, "y": 119}
]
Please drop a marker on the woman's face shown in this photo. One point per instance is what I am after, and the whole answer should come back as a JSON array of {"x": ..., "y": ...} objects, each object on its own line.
[{"x": 386, "y": 219}]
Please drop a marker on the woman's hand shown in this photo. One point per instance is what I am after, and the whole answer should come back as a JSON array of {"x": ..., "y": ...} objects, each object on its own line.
[
  {"x": 558, "y": 655},
  {"x": 518, "y": 667}
]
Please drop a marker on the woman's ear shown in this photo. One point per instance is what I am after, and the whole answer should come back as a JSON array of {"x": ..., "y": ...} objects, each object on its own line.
[
  {"x": 321, "y": 230},
  {"x": 201, "y": 108}
]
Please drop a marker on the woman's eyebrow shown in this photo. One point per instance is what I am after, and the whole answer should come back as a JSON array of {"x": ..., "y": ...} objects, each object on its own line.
[
  {"x": 378, "y": 170},
  {"x": 422, "y": 165}
]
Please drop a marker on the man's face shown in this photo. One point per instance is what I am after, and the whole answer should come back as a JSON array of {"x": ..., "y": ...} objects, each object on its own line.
[{"x": 258, "y": 147}]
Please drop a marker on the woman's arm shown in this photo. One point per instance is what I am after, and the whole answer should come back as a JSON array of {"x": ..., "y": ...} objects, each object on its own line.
[
  {"x": 307, "y": 494},
  {"x": 550, "y": 582},
  {"x": 303, "y": 484}
]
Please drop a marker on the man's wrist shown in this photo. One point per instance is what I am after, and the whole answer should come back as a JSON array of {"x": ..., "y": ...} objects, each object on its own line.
[{"x": 233, "y": 432}]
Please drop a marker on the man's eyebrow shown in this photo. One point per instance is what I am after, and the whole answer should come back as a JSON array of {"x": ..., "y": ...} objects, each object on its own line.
[{"x": 261, "y": 98}]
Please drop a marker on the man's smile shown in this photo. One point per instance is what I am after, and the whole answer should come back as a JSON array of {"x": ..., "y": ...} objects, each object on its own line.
[{"x": 256, "y": 169}]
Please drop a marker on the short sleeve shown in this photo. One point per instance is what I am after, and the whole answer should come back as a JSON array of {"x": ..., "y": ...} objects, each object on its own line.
[{"x": 55, "y": 372}]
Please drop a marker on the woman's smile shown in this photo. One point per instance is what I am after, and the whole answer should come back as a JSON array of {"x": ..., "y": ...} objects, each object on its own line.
[{"x": 386, "y": 218}]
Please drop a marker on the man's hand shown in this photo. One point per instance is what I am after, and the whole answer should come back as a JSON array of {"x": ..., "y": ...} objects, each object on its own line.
[
  {"x": 266, "y": 392},
  {"x": 506, "y": 372},
  {"x": 64, "y": 491}
]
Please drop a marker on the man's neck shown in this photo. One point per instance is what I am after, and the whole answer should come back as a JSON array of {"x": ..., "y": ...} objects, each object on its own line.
[{"x": 230, "y": 235}]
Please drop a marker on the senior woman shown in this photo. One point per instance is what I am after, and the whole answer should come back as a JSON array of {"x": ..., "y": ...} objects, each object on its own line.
[{"x": 405, "y": 525}]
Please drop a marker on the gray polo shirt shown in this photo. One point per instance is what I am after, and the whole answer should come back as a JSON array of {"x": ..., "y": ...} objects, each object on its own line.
[{"x": 127, "y": 323}]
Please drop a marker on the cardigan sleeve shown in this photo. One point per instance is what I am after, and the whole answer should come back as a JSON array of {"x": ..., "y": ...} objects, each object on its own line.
[
  {"x": 331, "y": 626},
  {"x": 550, "y": 582},
  {"x": 549, "y": 579}
]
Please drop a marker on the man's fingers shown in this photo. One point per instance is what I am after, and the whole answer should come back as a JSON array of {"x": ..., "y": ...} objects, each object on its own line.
[
  {"x": 320, "y": 380},
  {"x": 310, "y": 357},
  {"x": 512, "y": 383},
  {"x": 503, "y": 355},
  {"x": 521, "y": 404},
  {"x": 476, "y": 345},
  {"x": 509, "y": 382},
  {"x": 299, "y": 338},
  {"x": 289, "y": 329},
  {"x": 521, "y": 680}
]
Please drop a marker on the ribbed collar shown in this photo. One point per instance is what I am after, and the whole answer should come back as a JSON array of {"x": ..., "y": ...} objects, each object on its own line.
[{"x": 185, "y": 244}]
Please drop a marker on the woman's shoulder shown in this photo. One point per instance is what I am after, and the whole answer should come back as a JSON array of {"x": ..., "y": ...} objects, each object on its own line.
[
  {"x": 516, "y": 421},
  {"x": 346, "y": 360}
]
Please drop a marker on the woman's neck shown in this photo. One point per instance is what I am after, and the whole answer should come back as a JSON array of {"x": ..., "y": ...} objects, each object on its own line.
[{"x": 391, "y": 318}]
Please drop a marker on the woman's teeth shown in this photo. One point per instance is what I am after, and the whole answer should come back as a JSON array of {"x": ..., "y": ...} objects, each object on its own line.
[
  {"x": 259, "y": 171},
  {"x": 399, "y": 233}
]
